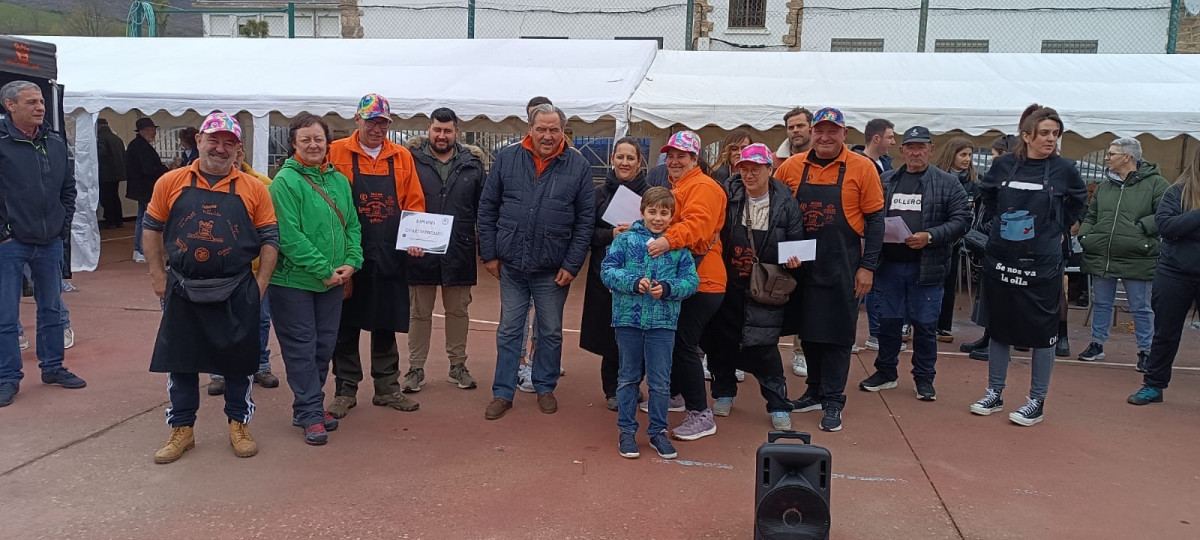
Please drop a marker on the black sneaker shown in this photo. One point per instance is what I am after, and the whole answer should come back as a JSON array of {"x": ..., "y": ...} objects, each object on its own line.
[
  {"x": 979, "y": 354},
  {"x": 980, "y": 344},
  {"x": 1143, "y": 363},
  {"x": 945, "y": 336},
  {"x": 806, "y": 403},
  {"x": 1062, "y": 349},
  {"x": 611, "y": 403},
  {"x": 876, "y": 382},
  {"x": 8, "y": 392},
  {"x": 63, "y": 378},
  {"x": 832, "y": 421},
  {"x": 906, "y": 333},
  {"x": 627, "y": 445},
  {"x": 925, "y": 391},
  {"x": 1028, "y": 415},
  {"x": 662, "y": 444},
  {"x": 1093, "y": 352},
  {"x": 989, "y": 404},
  {"x": 216, "y": 387}
]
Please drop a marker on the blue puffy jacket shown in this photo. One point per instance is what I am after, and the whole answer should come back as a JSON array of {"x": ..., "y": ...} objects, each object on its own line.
[
  {"x": 628, "y": 261},
  {"x": 37, "y": 185},
  {"x": 535, "y": 223}
]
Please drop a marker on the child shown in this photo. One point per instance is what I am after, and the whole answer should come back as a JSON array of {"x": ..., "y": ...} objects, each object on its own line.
[{"x": 646, "y": 296}]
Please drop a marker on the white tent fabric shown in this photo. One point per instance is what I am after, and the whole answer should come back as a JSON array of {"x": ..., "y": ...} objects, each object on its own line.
[{"x": 1127, "y": 95}]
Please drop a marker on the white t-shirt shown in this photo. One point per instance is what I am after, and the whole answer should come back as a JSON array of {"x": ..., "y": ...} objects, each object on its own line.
[{"x": 373, "y": 152}]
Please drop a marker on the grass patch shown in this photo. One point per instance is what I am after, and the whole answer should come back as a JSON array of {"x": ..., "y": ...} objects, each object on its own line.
[{"x": 21, "y": 20}]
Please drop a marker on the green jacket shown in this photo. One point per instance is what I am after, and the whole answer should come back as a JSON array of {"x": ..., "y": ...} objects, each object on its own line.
[
  {"x": 1119, "y": 235},
  {"x": 312, "y": 240}
]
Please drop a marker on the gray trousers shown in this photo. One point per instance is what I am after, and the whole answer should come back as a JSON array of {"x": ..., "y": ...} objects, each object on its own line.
[{"x": 998, "y": 357}]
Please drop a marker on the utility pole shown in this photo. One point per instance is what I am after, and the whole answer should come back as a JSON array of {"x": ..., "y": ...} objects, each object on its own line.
[{"x": 924, "y": 23}]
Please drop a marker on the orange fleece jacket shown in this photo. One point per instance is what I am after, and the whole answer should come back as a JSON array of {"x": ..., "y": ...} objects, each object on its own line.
[
  {"x": 699, "y": 215},
  {"x": 409, "y": 194}
]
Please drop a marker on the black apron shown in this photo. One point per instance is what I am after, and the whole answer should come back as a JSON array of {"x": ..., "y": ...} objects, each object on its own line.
[
  {"x": 380, "y": 291},
  {"x": 828, "y": 310},
  {"x": 1022, "y": 266},
  {"x": 211, "y": 308}
]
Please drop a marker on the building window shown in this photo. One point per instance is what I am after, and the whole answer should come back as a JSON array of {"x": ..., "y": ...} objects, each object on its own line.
[
  {"x": 1070, "y": 46},
  {"x": 856, "y": 45},
  {"x": 747, "y": 13},
  {"x": 961, "y": 45},
  {"x": 654, "y": 39}
]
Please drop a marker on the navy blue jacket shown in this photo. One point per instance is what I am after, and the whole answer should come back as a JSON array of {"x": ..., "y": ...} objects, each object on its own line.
[
  {"x": 37, "y": 185},
  {"x": 945, "y": 214},
  {"x": 537, "y": 223}
]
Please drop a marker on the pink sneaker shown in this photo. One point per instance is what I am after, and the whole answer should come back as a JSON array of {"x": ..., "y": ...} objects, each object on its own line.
[{"x": 696, "y": 425}]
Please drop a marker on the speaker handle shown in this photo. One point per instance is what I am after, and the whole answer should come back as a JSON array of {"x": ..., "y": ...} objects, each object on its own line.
[{"x": 803, "y": 436}]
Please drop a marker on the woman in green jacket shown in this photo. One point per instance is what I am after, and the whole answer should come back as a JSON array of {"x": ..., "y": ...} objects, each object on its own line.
[{"x": 319, "y": 249}]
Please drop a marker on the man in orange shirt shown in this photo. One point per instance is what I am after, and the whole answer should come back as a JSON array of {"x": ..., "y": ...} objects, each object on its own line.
[
  {"x": 209, "y": 221},
  {"x": 841, "y": 203},
  {"x": 384, "y": 179}
]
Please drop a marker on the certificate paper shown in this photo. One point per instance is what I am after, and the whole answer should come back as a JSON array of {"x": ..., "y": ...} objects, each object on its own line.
[
  {"x": 895, "y": 230},
  {"x": 430, "y": 232},
  {"x": 625, "y": 207},
  {"x": 806, "y": 250}
]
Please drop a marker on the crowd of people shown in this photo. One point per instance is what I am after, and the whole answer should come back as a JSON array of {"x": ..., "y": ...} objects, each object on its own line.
[{"x": 696, "y": 289}]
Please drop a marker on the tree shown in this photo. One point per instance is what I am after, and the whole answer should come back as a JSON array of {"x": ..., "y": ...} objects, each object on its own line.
[
  {"x": 87, "y": 19},
  {"x": 254, "y": 29},
  {"x": 161, "y": 15}
]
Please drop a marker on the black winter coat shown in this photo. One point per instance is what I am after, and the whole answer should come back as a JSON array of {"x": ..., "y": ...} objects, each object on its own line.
[
  {"x": 945, "y": 214},
  {"x": 595, "y": 332},
  {"x": 37, "y": 186},
  {"x": 111, "y": 151},
  {"x": 143, "y": 167},
  {"x": 458, "y": 197}
]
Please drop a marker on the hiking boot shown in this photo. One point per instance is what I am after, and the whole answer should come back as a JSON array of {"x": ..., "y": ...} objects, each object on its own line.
[
  {"x": 8, "y": 392},
  {"x": 525, "y": 379},
  {"x": 799, "y": 365},
  {"x": 697, "y": 424},
  {"x": 1029, "y": 414},
  {"x": 330, "y": 423},
  {"x": 316, "y": 434},
  {"x": 925, "y": 391},
  {"x": 497, "y": 408},
  {"x": 628, "y": 445},
  {"x": 68, "y": 338},
  {"x": 63, "y": 378},
  {"x": 181, "y": 440},
  {"x": 945, "y": 336},
  {"x": 341, "y": 406},
  {"x": 1143, "y": 362},
  {"x": 23, "y": 342},
  {"x": 216, "y": 387},
  {"x": 662, "y": 444},
  {"x": 979, "y": 344},
  {"x": 979, "y": 354},
  {"x": 461, "y": 377},
  {"x": 547, "y": 403},
  {"x": 722, "y": 406},
  {"x": 876, "y": 382},
  {"x": 397, "y": 401},
  {"x": 832, "y": 421},
  {"x": 266, "y": 379},
  {"x": 1062, "y": 348},
  {"x": 780, "y": 420},
  {"x": 414, "y": 379},
  {"x": 1147, "y": 394},
  {"x": 988, "y": 404},
  {"x": 611, "y": 403},
  {"x": 806, "y": 403},
  {"x": 241, "y": 441}
]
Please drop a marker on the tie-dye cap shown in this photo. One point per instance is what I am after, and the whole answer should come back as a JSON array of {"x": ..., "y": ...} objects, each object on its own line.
[
  {"x": 220, "y": 121},
  {"x": 374, "y": 106},
  {"x": 683, "y": 140},
  {"x": 829, "y": 114},
  {"x": 756, "y": 153}
]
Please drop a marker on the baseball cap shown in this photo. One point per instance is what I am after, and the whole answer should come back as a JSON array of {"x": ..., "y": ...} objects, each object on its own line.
[
  {"x": 756, "y": 153},
  {"x": 219, "y": 121},
  {"x": 829, "y": 114},
  {"x": 917, "y": 134},
  {"x": 683, "y": 140},
  {"x": 374, "y": 106},
  {"x": 143, "y": 123}
]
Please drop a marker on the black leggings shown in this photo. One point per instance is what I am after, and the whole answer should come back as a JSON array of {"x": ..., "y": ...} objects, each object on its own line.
[{"x": 687, "y": 373}]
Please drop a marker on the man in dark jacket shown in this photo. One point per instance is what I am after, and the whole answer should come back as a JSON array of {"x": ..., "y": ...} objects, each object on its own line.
[
  {"x": 451, "y": 176},
  {"x": 111, "y": 151},
  {"x": 880, "y": 137},
  {"x": 143, "y": 167},
  {"x": 1120, "y": 241},
  {"x": 931, "y": 204},
  {"x": 37, "y": 204},
  {"x": 535, "y": 226}
]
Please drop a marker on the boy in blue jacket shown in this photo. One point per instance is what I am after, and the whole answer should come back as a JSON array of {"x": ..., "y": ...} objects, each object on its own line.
[{"x": 646, "y": 292}]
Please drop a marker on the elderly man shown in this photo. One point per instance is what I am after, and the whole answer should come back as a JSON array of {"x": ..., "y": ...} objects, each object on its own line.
[
  {"x": 1120, "y": 241},
  {"x": 208, "y": 222},
  {"x": 143, "y": 168},
  {"x": 535, "y": 227},
  {"x": 38, "y": 187},
  {"x": 385, "y": 183},
  {"x": 110, "y": 150},
  {"x": 841, "y": 203},
  {"x": 908, "y": 284}
]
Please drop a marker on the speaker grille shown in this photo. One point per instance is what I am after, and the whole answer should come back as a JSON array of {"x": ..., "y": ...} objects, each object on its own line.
[{"x": 794, "y": 512}]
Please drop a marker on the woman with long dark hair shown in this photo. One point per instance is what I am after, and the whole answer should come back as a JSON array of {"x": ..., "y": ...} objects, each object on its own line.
[
  {"x": 731, "y": 152},
  {"x": 955, "y": 158}
]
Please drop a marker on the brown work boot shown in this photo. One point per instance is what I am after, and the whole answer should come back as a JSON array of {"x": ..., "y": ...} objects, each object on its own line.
[
  {"x": 547, "y": 403},
  {"x": 341, "y": 406},
  {"x": 397, "y": 401},
  {"x": 497, "y": 408},
  {"x": 182, "y": 439},
  {"x": 241, "y": 441},
  {"x": 461, "y": 377}
]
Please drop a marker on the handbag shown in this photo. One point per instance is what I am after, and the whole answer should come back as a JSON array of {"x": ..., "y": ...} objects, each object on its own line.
[{"x": 770, "y": 284}]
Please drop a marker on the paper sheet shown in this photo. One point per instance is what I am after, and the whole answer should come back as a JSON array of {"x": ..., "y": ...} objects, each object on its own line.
[
  {"x": 895, "y": 230},
  {"x": 625, "y": 207},
  {"x": 805, "y": 249},
  {"x": 430, "y": 232}
]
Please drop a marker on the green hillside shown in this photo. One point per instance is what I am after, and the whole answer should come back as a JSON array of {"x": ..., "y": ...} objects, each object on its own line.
[{"x": 22, "y": 20}]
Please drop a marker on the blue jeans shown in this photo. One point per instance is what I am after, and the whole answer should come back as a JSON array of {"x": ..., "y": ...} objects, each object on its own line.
[
  {"x": 1104, "y": 293},
  {"x": 45, "y": 264},
  {"x": 872, "y": 313},
  {"x": 264, "y": 321},
  {"x": 516, "y": 290},
  {"x": 648, "y": 353},
  {"x": 137, "y": 227},
  {"x": 900, "y": 297}
]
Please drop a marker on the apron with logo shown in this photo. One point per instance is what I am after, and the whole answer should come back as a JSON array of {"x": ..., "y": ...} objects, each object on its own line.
[
  {"x": 379, "y": 299},
  {"x": 827, "y": 308}
]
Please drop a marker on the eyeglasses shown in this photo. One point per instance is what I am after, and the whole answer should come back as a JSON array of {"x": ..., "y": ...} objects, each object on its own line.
[
  {"x": 1114, "y": 154},
  {"x": 377, "y": 125}
]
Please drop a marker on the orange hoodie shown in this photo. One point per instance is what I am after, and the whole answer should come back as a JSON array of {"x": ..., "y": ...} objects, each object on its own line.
[
  {"x": 540, "y": 163},
  {"x": 699, "y": 215},
  {"x": 409, "y": 195}
]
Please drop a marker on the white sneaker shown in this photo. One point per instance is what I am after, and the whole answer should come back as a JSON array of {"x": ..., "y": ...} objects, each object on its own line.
[
  {"x": 68, "y": 338},
  {"x": 525, "y": 378},
  {"x": 23, "y": 342},
  {"x": 741, "y": 375},
  {"x": 799, "y": 365},
  {"x": 138, "y": 257},
  {"x": 872, "y": 343},
  {"x": 707, "y": 373}
]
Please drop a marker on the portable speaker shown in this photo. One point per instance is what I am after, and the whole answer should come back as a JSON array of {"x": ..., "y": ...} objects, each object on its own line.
[{"x": 791, "y": 498}]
